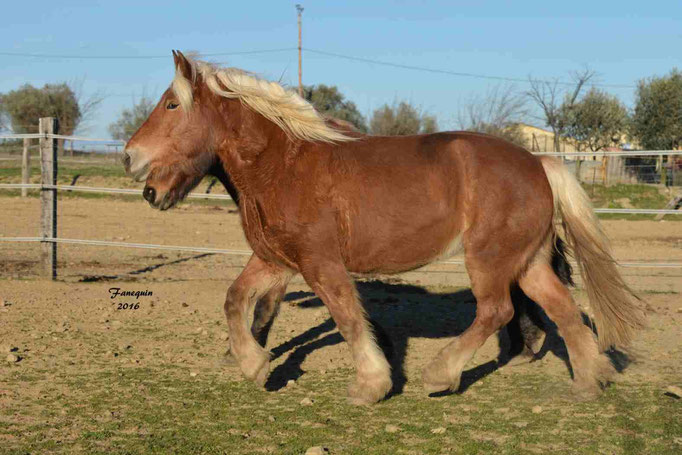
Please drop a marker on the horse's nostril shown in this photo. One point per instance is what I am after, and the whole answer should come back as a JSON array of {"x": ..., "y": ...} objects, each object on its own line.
[
  {"x": 149, "y": 194},
  {"x": 126, "y": 160}
]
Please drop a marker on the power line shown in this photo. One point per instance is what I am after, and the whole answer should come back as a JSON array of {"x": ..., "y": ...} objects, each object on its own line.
[
  {"x": 319, "y": 52},
  {"x": 448, "y": 72},
  {"x": 123, "y": 57}
]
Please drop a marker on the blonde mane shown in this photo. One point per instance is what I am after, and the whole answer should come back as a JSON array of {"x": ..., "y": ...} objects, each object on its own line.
[{"x": 286, "y": 109}]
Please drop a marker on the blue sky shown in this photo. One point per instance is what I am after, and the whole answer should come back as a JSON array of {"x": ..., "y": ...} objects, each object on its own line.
[{"x": 623, "y": 41}]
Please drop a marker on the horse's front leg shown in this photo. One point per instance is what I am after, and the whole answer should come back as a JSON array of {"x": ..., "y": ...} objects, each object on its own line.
[
  {"x": 256, "y": 280},
  {"x": 333, "y": 285}
]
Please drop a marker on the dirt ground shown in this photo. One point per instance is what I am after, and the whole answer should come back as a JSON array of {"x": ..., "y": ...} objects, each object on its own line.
[{"x": 73, "y": 327}]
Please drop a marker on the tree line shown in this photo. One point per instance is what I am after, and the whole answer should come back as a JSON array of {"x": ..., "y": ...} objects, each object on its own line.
[{"x": 577, "y": 111}]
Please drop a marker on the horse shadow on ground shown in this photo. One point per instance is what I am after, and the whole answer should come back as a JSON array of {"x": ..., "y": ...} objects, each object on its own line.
[
  {"x": 150, "y": 268},
  {"x": 399, "y": 312}
]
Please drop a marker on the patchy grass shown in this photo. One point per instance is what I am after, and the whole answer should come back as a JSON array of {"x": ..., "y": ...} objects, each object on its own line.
[
  {"x": 639, "y": 196},
  {"x": 160, "y": 411},
  {"x": 624, "y": 196},
  {"x": 97, "y": 389}
]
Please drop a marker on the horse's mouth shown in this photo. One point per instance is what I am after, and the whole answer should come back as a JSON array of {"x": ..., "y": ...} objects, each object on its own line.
[
  {"x": 172, "y": 191},
  {"x": 167, "y": 202},
  {"x": 161, "y": 202}
]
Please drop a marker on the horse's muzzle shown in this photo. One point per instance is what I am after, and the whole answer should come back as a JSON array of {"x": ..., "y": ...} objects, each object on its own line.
[{"x": 135, "y": 165}]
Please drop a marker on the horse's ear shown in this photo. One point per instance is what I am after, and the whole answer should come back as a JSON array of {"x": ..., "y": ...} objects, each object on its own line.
[{"x": 183, "y": 65}]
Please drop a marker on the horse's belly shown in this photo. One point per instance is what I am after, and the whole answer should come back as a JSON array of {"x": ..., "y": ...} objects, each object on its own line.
[{"x": 403, "y": 247}]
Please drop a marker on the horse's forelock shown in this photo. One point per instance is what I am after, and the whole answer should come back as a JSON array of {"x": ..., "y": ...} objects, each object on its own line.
[{"x": 182, "y": 88}]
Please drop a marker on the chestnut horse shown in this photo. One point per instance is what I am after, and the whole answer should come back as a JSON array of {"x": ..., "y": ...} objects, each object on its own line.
[{"x": 325, "y": 202}]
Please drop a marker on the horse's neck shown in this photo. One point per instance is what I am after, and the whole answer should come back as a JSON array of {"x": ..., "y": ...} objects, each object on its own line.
[{"x": 259, "y": 163}]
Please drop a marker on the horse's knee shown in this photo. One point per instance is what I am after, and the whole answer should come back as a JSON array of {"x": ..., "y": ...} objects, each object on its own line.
[
  {"x": 494, "y": 316},
  {"x": 236, "y": 295},
  {"x": 505, "y": 313}
]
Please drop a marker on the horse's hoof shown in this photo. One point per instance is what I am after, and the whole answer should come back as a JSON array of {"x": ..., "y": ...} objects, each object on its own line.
[
  {"x": 589, "y": 381},
  {"x": 435, "y": 379},
  {"x": 262, "y": 374},
  {"x": 365, "y": 392},
  {"x": 439, "y": 387},
  {"x": 257, "y": 370},
  {"x": 536, "y": 343}
]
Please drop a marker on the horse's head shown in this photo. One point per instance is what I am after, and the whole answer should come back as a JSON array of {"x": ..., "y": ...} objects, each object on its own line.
[
  {"x": 212, "y": 119},
  {"x": 174, "y": 148}
]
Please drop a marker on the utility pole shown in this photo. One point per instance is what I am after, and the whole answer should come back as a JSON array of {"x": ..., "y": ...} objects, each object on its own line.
[{"x": 299, "y": 9}]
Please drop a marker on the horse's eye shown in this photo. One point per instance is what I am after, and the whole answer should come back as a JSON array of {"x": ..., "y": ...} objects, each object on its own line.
[{"x": 171, "y": 106}]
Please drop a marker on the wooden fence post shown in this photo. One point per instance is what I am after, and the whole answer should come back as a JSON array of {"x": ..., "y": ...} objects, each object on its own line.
[
  {"x": 25, "y": 166},
  {"x": 664, "y": 173},
  {"x": 48, "y": 197}
]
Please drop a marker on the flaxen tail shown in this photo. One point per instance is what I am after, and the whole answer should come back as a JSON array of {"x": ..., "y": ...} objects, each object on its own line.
[{"x": 616, "y": 315}]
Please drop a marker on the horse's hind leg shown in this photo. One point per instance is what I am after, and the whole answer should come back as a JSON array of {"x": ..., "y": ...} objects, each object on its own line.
[
  {"x": 493, "y": 310},
  {"x": 266, "y": 311},
  {"x": 255, "y": 281},
  {"x": 590, "y": 367}
]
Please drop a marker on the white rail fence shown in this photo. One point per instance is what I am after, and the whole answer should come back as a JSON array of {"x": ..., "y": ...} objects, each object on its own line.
[{"x": 48, "y": 187}]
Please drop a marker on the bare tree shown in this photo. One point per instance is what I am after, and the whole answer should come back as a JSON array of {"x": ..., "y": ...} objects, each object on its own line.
[
  {"x": 498, "y": 112},
  {"x": 87, "y": 104},
  {"x": 555, "y": 100},
  {"x": 132, "y": 118}
]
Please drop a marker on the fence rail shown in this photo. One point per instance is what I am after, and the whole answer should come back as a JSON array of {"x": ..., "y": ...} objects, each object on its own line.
[
  {"x": 602, "y": 153},
  {"x": 92, "y": 189},
  {"x": 60, "y": 136},
  {"x": 199, "y": 249},
  {"x": 49, "y": 189}
]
